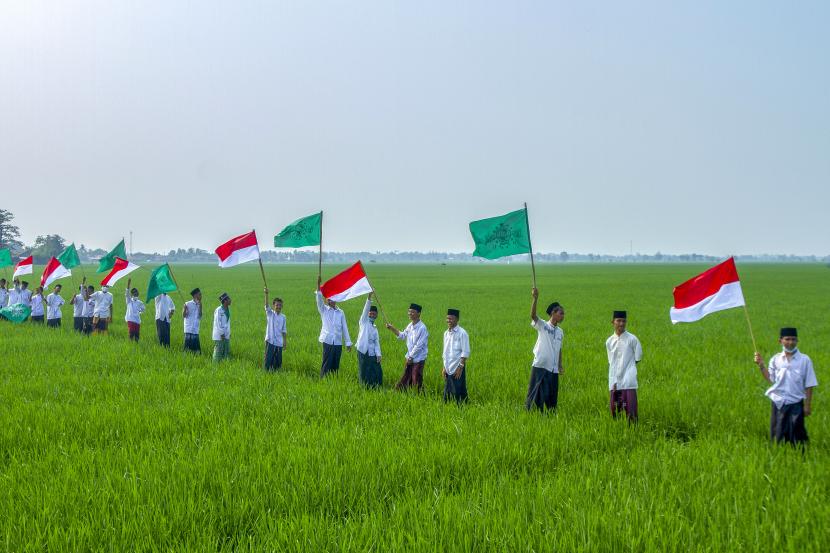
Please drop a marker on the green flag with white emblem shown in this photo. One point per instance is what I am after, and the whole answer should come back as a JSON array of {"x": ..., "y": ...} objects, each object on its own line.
[
  {"x": 501, "y": 236},
  {"x": 300, "y": 233}
]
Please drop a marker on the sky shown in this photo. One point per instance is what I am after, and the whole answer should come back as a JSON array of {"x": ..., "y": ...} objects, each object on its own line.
[{"x": 653, "y": 126}]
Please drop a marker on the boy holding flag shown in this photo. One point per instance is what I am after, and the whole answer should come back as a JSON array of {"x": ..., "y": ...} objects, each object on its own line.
[
  {"x": 54, "y": 301},
  {"x": 275, "y": 334},
  {"x": 135, "y": 307}
]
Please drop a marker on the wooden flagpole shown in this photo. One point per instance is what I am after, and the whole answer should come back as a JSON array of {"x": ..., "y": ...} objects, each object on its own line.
[
  {"x": 320, "y": 254},
  {"x": 181, "y": 297},
  {"x": 748, "y": 322},
  {"x": 375, "y": 294},
  {"x": 532, "y": 263}
]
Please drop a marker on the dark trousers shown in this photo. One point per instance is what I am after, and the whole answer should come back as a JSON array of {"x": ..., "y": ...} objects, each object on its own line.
[
  {"x": 37, "y": 319},
  {"x": 543, "y": 390},
  {"x": 163, "y": 330},
  {"x": 88, "y": 326},
  {"x": 134, "y": 330},
  {"x": 78, "y": 324},
  {"x": 456, "y": 389},
  {"x": 101, "y": 324},
  {"x": 370, "y": 372},
  {"x": 192, "y": 344},
  {"x": 273, "y": 357},
  {"x": 53, "y": 323},
  {"x": 787, "y": 424},
  {"x": 331, "y": 359},
  {"x": 624, "y": 400},
  {"x": 413, "y": 375}
]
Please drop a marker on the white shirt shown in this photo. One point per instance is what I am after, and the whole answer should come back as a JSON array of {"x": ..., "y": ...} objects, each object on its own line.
[
  {"x": 624, "y": 352},
  {"x": 548, "y": 345},
  {"x": 456, "y": 346},
  {"x": 102, "y": 301},
  {"x": 89, "y": 307},
  {"x": 334, "y": 330},
  {"x": 416, "y": 336},
  {"x": 15, "y": 296},
  {"x": 164, "y": 308},
  {"x": 192, "y": 317},
  {"x": 77, "y": 305},
  {"x": 36, "y": 303},
  {"x": 368, "y": 341},
  {"x": 274, "y": 327},
  {"x": 53, "y": 306},
  {"x": 135, "y": 307},
  {"x": 221, "y": 324},
  {"x": 790, "y": 379},
  {"x": 4, "y": 297},
  {"x": 26, "y": 296}
]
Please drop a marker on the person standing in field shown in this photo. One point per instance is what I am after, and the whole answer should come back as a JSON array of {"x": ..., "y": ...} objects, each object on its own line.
[
  {"x": 37, "y": 304},
  {"x": 25, "y": 294},
  {"x": 102, "y": 309},
  {"x": 543, "y": 390},
  {"x": 54, "y": 301},
  {"x": 416, "y": 336},
  {"x": 333, "y": 332},
  {"x": 455, "y": 355},
  {"x": 276, "y": 334},
  {"x": 624, "y": 352},
  {"x": 370, "y": 372},
  {"x": 222, "y": 329},
  {"x": 89, "y": 309},
  {"x": 15, "y": 294},
  {"x": 135, "y": 307},
  {"x": 792, "y": 377},
  {"x": 4, "y": 293},
  {"x": 164, "y": 313},
  {"x": 77, "y": 303},
  {"x": 192, "y": 316}
]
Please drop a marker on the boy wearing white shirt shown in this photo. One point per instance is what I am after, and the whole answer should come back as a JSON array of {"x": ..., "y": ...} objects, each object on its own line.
[
  {"x": 15, "y": 294},
  {"x": 543, "y": 390},
  {"x": 4, "y": 293},
  {"x": 624, "y": 352},
  {"x": 54, "y": 301},
  {"x": 275, "y": 334},
  {"x": 135, "y": 307},
  {"x": 222, "y": 329},
  {"x": 455, "y": 355},
  {"x": 370, "y": 372},
  {"x": 37, "y": 304},
  {"x": 25, "y": 294},
  {"x": 192, "y": 317},
  {"x": 793, "y": 378},
  {"x": 164, "y": 312},
  {"x": 417, "y": 337},
  {"x": 333, "y": 332},
  {"x": 77, "y": 303},
  {"x": 89, "y": 309},
  {"x": 102, "y": 309}
]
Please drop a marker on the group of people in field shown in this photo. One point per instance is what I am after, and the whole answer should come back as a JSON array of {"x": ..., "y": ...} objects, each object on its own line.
[{"x": 790, "y": 372}]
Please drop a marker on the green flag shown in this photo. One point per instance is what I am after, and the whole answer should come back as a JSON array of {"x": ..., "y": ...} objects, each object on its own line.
[
  {"x": 302, "y": 232},
  {"x": 161, "y": 282},
  {"x": 69, "y": 257},
  {"x": 16, "y": 313},
  {"x": 108, "y": 261},
  {"x": 6, "y": 258},
  {"x": 501, "y": 236}
]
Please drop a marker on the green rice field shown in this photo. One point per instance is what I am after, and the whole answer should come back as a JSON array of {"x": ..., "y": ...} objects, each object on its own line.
[{"x": 108, "y": 445}]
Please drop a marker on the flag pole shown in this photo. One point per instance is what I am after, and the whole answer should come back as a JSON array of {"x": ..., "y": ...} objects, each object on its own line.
[
  {"x": 320, "y": 254},
  {"x": 262, "y": 270},
  {"x": 748, "y": 322},
  {"x": 530, "y": 245},
  {"x": 385, "y": 318},
  {"x": 181, "y": 297}
]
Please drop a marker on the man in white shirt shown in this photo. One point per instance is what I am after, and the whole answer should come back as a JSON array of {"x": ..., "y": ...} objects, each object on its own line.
[
  {"x": 624, "y": 352},
  {"x": 275, "y": 334},
  {"x": 102, "y": 309},
  {"x": 54, "y": 301},
  {"x": 37, "y": 303},
  {"x": 543, "y": 390},
  {"x": 455, "y": 355},
  {"x": 89, "y": 309},
  {"x": 25, "y": 294},
  {"x": 15, "y": 294},
  {"x": 4, "y": 293},
  {"x": 416, "y": 336},
  {"x": 222, "y": 329},
  {"x": 370, "y": 372},
  {"x": 333, "y": 332},
  {"x": 164, "y": 312},
  {"x": 77, "y": 303},
  {"x": 192, "y": 316},
  {"x": 793, "y": 378},
  {"x": 135, "y": 307}
]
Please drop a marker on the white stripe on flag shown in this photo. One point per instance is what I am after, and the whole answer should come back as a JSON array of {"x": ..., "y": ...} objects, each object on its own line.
[
  {"x": 243, "y": 255},
  {"x": 358, "y": 289},
  {"x": 729, "y": 296}
]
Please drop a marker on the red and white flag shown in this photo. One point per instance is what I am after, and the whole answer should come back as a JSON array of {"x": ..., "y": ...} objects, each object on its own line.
[
  {"x": 23, "y": 267},
  {"x": 714, "y": 290},
  {"x": 121, "y": 269},
  {"x": 53, "y": 271},
  {"x": 238, "y": 250},
  {"x": 349, "y": 284}
]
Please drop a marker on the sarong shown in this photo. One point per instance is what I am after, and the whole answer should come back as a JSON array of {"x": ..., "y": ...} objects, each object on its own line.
[
  {"x": 273, "y": 357},
  {"x": 624, "y": 400},
  {"x": 413, "y": 375},
  {"x": 192, "y": 344},
  {"x": 456, "y": 389},
  {"x": 163, "y": 331},
  {"x": 543, "y": 390},
  {"x": 370, "y": 372},
  {"x": 221, "y": 350},
  {"x": 134, "y": 330},
  {"x": 787, "y": 424},
  {"x": 331, "y": 359}
]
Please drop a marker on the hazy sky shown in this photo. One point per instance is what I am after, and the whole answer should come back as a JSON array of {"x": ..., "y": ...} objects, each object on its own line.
[{"x": 696, "y": 126}]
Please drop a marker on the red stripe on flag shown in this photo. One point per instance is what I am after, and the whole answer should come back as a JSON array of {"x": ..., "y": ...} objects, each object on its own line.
[
  {"x": 50, "y": 268},
  {"x": 343, "y": 281},
  {"x": 706, "y": 284},
  {"x": 23, "y": 262},
  {"x": 120, "y": 264},
  {"x": 240, "y": 242}
]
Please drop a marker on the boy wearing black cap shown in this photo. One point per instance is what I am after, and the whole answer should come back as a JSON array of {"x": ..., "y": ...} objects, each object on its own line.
[
  {"x": 416, "y": 336},
  {"x": 192, "y": 316},
  {"x": 455, "y": 355},
  {"x": 543, "y": 390},
  {"x": 132, "y": 315},
  {"x": 793, "y": 379},
  {"x": 370, "y": 372},
  {"x": 624, "y": 352},
  {"x": 222, "y": 329},
  {"x": 275, "y": 334}
]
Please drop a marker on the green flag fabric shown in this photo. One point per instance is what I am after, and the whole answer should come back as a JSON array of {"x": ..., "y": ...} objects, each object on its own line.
[
  {"x": 5, "y": 258},
  {"x": 69, "y": 257},
  {"x": 16, "y": 313},
  {"x": 302, "y": 232},
  {"x": 108, "y": 261},
  {"x": 501, "y": 236},
  {"x": 161, "y": 282}
]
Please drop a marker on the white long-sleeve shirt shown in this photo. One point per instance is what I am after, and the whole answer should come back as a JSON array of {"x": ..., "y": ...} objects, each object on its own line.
[
  {"x": 192, "y": 317},
  {"x": 164, "y": 308},
  {"x": 102, "y": 304},
  {"x": 135, "y": 307},
  {"x": 4, "y": 297},
  {"x": 53, "y": 306},
  {"x": 790, "y": 378},
  {"x": 221, "y": 325},
  {"x": 77, "y": 302},
  {"x": 368, "y": 341},
  {"x": 333, "y": 330},
  {"x": 548, "y": 345},
  {"x": 26, "y": 297},
  {"x": 15, "y": 296},
  {"x": 416, "y": 336},
  {"x": 275, "y": 327},
  {"x": 456, "y": 346},
  {"x": 36, "y": 303},
  {"x": 624, "y": 352}
]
